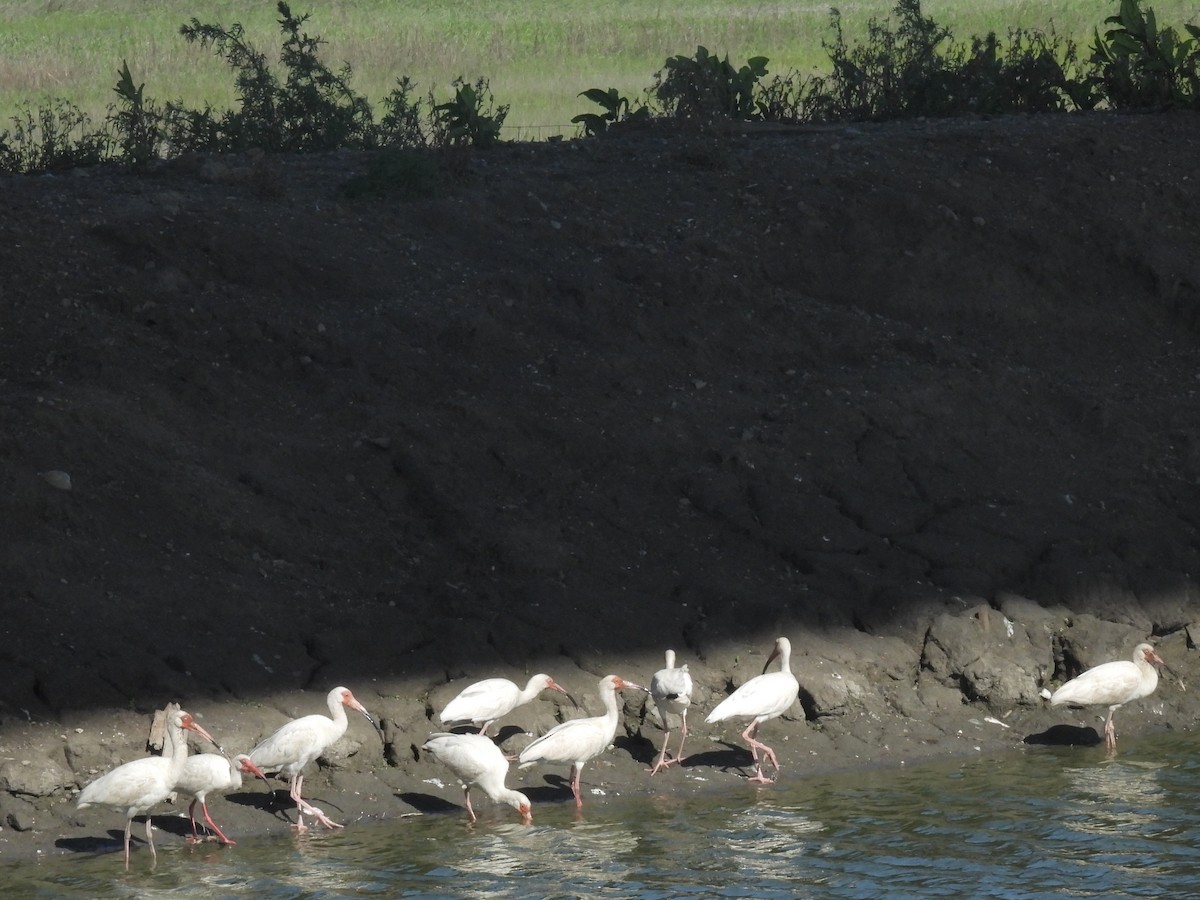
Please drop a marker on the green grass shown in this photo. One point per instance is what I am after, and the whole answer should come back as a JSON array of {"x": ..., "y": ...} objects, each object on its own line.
[{"x": 537, "y": 54}]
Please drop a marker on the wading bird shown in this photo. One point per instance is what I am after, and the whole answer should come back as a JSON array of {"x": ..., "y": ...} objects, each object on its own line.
[
  {"x": 671, "y": 689},
  {"x": 483, "y": 702},
  {"x": 297, "y": 743},
  {"x": 475, "y": 759},
  {"x": 207, "y": 772},
  {"x": 761, "y": 698},
  {"x": 1112, "y": 684},
  {"x": 136, "y": 786},
  {"x": 577, "y": 741}
]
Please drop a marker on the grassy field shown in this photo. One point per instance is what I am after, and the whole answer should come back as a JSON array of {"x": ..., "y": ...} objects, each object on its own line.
[{"x": 537, "y": 54}]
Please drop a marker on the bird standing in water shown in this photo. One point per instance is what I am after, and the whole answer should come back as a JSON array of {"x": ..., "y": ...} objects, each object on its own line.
[
  {"x": 577, "y": 741},
  {"x": 475, "y": 759},
  {"x": 1112, "y": 684},
  {"x": 136, "y": 786},
  {"x": 299, "y": 742}
]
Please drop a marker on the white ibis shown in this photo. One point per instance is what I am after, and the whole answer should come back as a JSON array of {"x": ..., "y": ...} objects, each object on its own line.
[
  {"x": 577, "y": 741},
  {"x": 207, "y": 772},
  {"x": 297, "y": 743},
  {"x": 671, "y": 689},
  {"x": 1112, "y": 684},
  {"x": 475, "y": 759},
  {"x": 761, "y": 698},
  {"x": 138, "y": 785},
  {"x": 483, "y": 702}
]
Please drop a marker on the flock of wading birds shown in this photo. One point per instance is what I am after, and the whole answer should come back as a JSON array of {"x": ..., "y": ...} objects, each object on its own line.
[{"x": 475, "y": 759}]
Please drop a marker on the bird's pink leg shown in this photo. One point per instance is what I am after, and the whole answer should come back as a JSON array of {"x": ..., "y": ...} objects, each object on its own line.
[
  {"x": 128, "y": 826},
  {"x": 662, "y": 762},
  {"x": 768, "y": 753},
  {"x": 303, "y": 807},
  {"x": 195, "y": 838},
  {"x": 467, "y": 797},
  {"x": 150, "y": 838},
  {"x": 1110, "y": 732},
  {"x": 575, "y": 773},
  {"x": 211, "y": 823},
  {"x": 679, "y": 757}
]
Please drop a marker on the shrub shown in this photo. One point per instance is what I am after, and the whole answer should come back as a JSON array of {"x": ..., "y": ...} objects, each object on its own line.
[
  {"x": 471, "y": 119},
  {"x": 1140, "y": 66},
  {"x": 705, "y": 87},
  {"x": 52, "y": 137}
]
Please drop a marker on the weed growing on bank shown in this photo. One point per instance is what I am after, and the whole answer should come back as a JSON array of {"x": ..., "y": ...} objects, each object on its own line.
[{"x": 906, "y": 66}]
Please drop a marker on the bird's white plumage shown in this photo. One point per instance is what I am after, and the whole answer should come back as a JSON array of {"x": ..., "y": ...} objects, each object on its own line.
[
  {"x": 577, "y": 741},
  {"x": 671, "y": 690},
  {"x": 1112, "y": 684},
  {"x": 764, "y": 696},
  {"x": 136, "y": 786},
  {"x": 761, "y": 698},
  {"x": 483, "y": 702},
  {"x": 476, "y": 760},
  {"x": 206, "y": 773},
  {"x": 299, "y": 742}
]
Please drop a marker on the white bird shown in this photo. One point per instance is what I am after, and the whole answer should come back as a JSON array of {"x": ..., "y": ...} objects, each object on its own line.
[
  {"x": 207, "y": 772},
  {"x": 1113, "y": 684},
  {"x": 761, "y": 698},
  {"x": 138, "y": 785},
  {"x": 297, "y": 743},
  {"x": 671, "y": 689},
  {"x": 483, "y": 702},
  {"x": 577, "y": 741},
  {"x": 475, "y": 759}
]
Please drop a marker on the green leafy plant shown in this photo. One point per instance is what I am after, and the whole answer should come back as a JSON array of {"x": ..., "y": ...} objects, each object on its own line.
[
  {"x": 471, "y": 119},
  {"x": 137, "y": 123},
  {"x": 400, "y": 125},
  {"x": 704, "y": 86},
  {"x": 915, "y": 68},
  {"x": 313, "y": 109},
  {"x": 616, "y": 109},
  {"x": 1142, "y": 66},
  {"x": 53, "y": 137}
]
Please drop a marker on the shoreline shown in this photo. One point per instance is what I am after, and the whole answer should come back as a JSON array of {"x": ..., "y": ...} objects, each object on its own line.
[{"x": 356, "y": 784}]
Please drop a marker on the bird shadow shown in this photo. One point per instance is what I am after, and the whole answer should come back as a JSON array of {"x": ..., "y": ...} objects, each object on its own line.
[
  {"x": 506, "y": 732},
  {"x": 277, "y": 802},
  {"x": 641, "y": 749},
  {"x": 557, "y": 788},
  {"x": 734, "y": 756},
  {"x": 113, "y": 843},
  {"x": 171, "y": 823},
  {"x": 1066, "y": 736},
  {"x": 428, "y": 803}
]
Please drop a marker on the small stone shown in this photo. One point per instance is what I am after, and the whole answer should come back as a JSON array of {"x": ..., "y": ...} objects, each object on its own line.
[{"x": 57, "y": 478}]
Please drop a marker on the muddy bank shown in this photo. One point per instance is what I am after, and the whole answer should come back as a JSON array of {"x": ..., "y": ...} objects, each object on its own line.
[
  {"x": 865, "y": 701},
  {"x": 919, "y": 396}
]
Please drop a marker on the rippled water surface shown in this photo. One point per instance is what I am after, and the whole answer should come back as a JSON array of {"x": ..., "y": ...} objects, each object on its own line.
[{"x": 1040, "y": 822}]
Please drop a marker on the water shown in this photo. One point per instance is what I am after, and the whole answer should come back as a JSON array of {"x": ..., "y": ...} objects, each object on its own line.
[{"x": 1040, "y": 822}]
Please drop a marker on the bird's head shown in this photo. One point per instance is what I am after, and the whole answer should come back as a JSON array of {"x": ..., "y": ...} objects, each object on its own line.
[
  {"x": 247, "y": 767},
  {"x": 347, "y": 699},
  {"x": 522, "y": 805},
  {"x": 185, "y": 720},
  {"x": 553, "y": 685}
]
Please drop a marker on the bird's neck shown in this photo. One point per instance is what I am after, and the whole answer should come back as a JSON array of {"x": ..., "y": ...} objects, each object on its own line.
[{"x": 178, "y": 750}]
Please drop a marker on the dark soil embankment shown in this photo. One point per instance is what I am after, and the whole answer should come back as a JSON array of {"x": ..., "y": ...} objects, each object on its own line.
[{"x": 920, "y": 396}]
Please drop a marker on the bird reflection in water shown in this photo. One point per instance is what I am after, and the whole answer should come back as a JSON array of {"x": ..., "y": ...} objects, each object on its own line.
[{"x": 1116, "y": 797}]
